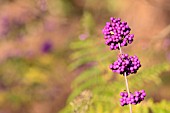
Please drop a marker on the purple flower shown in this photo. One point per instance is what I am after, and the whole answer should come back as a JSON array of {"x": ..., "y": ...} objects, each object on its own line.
[
  {"x": 83, "y": 36},
  {"x": 133, "y": 98},
  {"x": 126, "y": 63},
  {"x": 46, "y": 47},
  {"x": 117, "y": 32}
]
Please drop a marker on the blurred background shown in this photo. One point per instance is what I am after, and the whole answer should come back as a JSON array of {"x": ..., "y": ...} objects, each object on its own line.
[{"x": 53, "y": 58}]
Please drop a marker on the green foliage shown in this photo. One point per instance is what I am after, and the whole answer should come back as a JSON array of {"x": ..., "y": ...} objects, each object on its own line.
[
  {"x": 82, "y": 102},
  {"x": 22, "y": 81},
  {"x": 105, "y": 85},
  {"x": 88, "y": 22}
]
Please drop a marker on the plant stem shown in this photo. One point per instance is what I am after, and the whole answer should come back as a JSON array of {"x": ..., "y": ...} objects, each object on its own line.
[
  {"x": 127, "y": 87},
  {"x": 120, "y": 48},
  {"x": 126, "y": 81}
]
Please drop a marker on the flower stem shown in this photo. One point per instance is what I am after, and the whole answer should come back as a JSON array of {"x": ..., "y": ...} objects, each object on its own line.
[
  {"x": 126, "y": 81},
  {"x": 120, "y": 48},
  {"x": 127, "y": 87}
]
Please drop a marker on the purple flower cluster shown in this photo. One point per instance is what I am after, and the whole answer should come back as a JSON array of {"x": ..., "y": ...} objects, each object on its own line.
[
  {"x": 116, "y": 35},
  {"x": 126, "y": 63},
  {"x": 117, "y": 32},
  {"x": 135, "y": 98}
]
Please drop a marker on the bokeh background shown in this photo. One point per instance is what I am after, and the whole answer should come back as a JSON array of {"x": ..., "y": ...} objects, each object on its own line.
[{"x": 53, "y": 58}]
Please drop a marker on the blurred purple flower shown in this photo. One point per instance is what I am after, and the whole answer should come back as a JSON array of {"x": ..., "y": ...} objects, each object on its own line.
[
  {"x": 43, "y": 5},
  {"x": 83, "y": 36},
  {"x": 4, "y": 26},
  {"x": 166, "y": 43},
  {"x": 46, "y": 47},
  {"x": 168, "y": 56},
  {"x": 49, "y": 25}
]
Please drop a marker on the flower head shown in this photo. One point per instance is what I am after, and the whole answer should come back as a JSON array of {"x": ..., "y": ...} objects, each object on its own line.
[
  {"x": 126, "y": 63},
  {"x": 117, "y": 32},
  {"x": 133, "y": 98}
]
